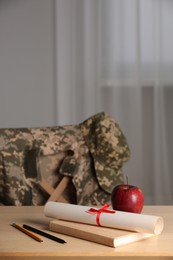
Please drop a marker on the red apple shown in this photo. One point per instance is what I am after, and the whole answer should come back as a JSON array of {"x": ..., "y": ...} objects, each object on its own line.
[{"x": 128, "y": 198}]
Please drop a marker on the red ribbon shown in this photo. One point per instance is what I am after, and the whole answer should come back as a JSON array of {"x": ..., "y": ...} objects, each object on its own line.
[{"x": 99, "y": 211}]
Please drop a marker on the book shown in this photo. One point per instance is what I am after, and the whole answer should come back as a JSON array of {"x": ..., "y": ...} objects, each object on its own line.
[{"x": 102, "y": 235}]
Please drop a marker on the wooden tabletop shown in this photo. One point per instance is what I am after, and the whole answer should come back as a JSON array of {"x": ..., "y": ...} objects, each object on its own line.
[{"x": 16, "y": 245}]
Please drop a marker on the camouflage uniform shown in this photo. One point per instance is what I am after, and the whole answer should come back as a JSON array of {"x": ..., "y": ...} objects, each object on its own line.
[{"x": 91, "y": 154}]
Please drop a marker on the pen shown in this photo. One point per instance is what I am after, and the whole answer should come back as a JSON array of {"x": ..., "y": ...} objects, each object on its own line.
[
  {"x": 26, "y": 232},
  {"x": 42, "y": 233}
]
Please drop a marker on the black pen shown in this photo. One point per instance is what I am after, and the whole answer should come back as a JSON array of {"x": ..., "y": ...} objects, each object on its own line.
[{"x": 42, "y": 233}]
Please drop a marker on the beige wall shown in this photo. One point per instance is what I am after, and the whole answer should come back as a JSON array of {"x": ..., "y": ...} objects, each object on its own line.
[{"x": 27, "y": 85}]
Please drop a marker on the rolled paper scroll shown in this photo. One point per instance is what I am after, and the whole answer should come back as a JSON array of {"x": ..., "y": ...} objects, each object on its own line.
[{"x": 105, "y": 217}]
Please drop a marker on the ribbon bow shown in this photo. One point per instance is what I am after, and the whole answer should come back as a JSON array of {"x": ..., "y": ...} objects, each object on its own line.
[{"x": 99, "y": 211}]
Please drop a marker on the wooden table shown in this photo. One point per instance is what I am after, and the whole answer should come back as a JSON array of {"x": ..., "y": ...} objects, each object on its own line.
[{"x": 16, "y": 245}]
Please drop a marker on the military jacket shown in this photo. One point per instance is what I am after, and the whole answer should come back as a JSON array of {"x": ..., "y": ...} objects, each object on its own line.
[{"x": 91, "y": 153}]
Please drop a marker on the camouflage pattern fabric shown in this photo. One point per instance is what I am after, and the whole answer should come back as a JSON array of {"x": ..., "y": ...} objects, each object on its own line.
[{"x": 92, "y": 154}]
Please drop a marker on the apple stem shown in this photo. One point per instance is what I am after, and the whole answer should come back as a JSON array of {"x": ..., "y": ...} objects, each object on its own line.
[{"x": 127, "y": 180}]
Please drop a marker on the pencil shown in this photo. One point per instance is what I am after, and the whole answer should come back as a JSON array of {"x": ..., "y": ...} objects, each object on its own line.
[
  {"x": 42, "y": 233},
  {"x": 27, "y": 232}
]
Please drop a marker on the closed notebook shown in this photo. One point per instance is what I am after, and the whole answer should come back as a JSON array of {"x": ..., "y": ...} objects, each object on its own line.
[{"x": 102, "y": 235}]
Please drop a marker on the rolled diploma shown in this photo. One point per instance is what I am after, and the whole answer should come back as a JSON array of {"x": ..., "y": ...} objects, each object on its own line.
[{"x": 119, "y": 219}]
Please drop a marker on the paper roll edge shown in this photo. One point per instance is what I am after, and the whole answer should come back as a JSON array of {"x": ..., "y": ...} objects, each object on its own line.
[
  {"x": 48, "y": 209},
  {"x": 159, "y": 225}
]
